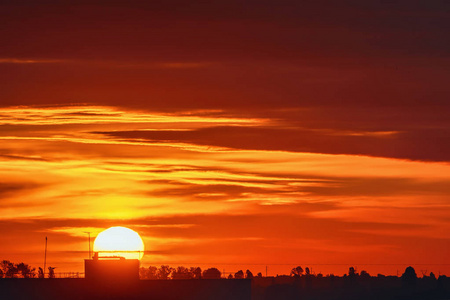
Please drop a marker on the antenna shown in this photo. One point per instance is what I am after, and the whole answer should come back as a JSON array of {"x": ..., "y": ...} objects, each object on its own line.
[
  {"x": 45, "y": 255},
  {"x": 89, "y": 240}
]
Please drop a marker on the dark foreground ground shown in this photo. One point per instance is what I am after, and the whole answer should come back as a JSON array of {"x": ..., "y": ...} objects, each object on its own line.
[
  {"x": 348, "y": 288},
  {"x": 81, "y": 289},
  {"x": 279, "y": 288}
]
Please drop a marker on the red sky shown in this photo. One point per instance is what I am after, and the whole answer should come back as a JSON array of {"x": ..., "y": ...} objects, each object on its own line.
[{"x": 228, "y": 134}]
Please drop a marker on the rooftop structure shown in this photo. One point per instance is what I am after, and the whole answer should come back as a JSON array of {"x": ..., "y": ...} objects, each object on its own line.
[{"x": 111, "y": 268}]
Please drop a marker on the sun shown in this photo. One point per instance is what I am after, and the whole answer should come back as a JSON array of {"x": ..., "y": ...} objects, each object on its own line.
[{"x": 119, "y": 242}]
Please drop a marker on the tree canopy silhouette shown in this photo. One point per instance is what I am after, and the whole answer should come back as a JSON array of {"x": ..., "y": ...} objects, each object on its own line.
[
  {"x": 51, "y": 272},
  {"x": 197, "y": 272},
  {"x": 164, "y": 272},
  {"x": 212, "y": 273},
  {"x": 432, "y": 276},
  {"x": 148, "y": 273},
  {"x": 239, "y": 274},
  {"x": 410, "y": 276},
  {"x": 352, "y": 272},
  {"x": 182, "y": 273},
  {"x": 9, "y": 269},
  {"x": 25, "y": 270},
  {"x": 297, "y": 271}
]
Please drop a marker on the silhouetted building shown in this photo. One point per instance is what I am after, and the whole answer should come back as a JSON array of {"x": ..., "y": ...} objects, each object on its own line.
[{"x": 111, "y": 268}]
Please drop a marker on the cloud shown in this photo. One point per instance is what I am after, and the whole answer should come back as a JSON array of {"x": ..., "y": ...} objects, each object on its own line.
[
  {"x": 8, "y": 189},
  {"x": 225, "y": 238},
  {"x": 225, "y": 29},
  {"x": 266, "y": 226},
  {"x": 29, "y": 61},
  {"x": 416, "y": 145}
]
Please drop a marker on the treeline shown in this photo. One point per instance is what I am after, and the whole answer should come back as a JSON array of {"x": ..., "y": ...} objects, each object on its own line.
[
  {"x": 408, "y": 277},
  {"x": 167, "y": 272},
  {"x": 303, "y": 284},
  {"x": 9, "y": 269}
]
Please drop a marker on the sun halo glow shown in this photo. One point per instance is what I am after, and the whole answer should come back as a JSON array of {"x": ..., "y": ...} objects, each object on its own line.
[{"x": 119, "y": 242}]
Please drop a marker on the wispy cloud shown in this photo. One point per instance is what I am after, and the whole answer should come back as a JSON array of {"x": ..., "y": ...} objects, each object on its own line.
[
  {"x": 121, "y": 64},
  {"x": 87, "y": 114},
  {"x": 183, "y": 65},
  {"x": 29, "y": 61},
  {"x": 415, "y": 145}
]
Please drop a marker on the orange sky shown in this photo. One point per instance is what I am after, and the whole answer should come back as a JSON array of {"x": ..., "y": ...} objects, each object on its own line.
[{"x": 227, "y": 134}]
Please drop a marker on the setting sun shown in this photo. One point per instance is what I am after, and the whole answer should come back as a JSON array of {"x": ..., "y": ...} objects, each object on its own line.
[{"x": 119, "y": 242}]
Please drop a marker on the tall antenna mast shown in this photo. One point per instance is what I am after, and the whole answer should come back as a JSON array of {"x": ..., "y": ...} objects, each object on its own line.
[{"x": 45, "y": 255}]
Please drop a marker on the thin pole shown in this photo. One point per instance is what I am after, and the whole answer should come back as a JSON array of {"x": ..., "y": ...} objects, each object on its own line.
[
  {"x": 45, "y": 255},
  {"x": 266, "y": 271}
]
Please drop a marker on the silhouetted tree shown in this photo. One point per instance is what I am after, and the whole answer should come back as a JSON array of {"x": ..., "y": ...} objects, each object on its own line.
[
  {"x": 410, "y": 276},
  {"x": 248, "y": 274},
  {"x": 1, "y": 273},
  {"x": 239, "y": 274},
  {"x": 4, "y": 266},
  {"x": 51, "y": 272},
  {"x": 164, "y": 272},
  {"x": 432, "y": 276},
  {"x": 211, "y": 273},
  {"x": 352, "y": 272},
  {"x": 197, "y": 272},
  {"x": 25, "y": 270},
  {"x": 9, "y": 269},
  {"x": 40, "y": 273},
  {"x": 320, "y": 275},
  {"x": 148, "y": 273},
  {"x": 364, "y": 275},
  {"x": 259, "y": 275},
  {"x": 297, "y": 271},
  {"x": 230, "y": 276},
  {"x": 307, "y": 271},
  {"x": 182, "y": 273}
]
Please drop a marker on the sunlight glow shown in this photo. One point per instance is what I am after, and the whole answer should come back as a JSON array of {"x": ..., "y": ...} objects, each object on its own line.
[{"x": 119, "y": 242}]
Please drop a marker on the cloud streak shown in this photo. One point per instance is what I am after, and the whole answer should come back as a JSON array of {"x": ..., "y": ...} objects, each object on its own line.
[
  {"x": 416, "y": 145},
  {"x": 29, "y": 61}
]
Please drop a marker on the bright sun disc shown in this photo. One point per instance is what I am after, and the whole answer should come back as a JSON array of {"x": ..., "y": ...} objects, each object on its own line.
[{"x": 119, "y": 242}]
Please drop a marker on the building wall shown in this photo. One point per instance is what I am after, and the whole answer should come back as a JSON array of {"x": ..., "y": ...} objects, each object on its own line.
[{"x": 112, "y": 270}]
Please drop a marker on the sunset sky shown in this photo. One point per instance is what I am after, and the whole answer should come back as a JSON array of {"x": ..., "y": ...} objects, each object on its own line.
[{"x": 233, "y": 134}]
